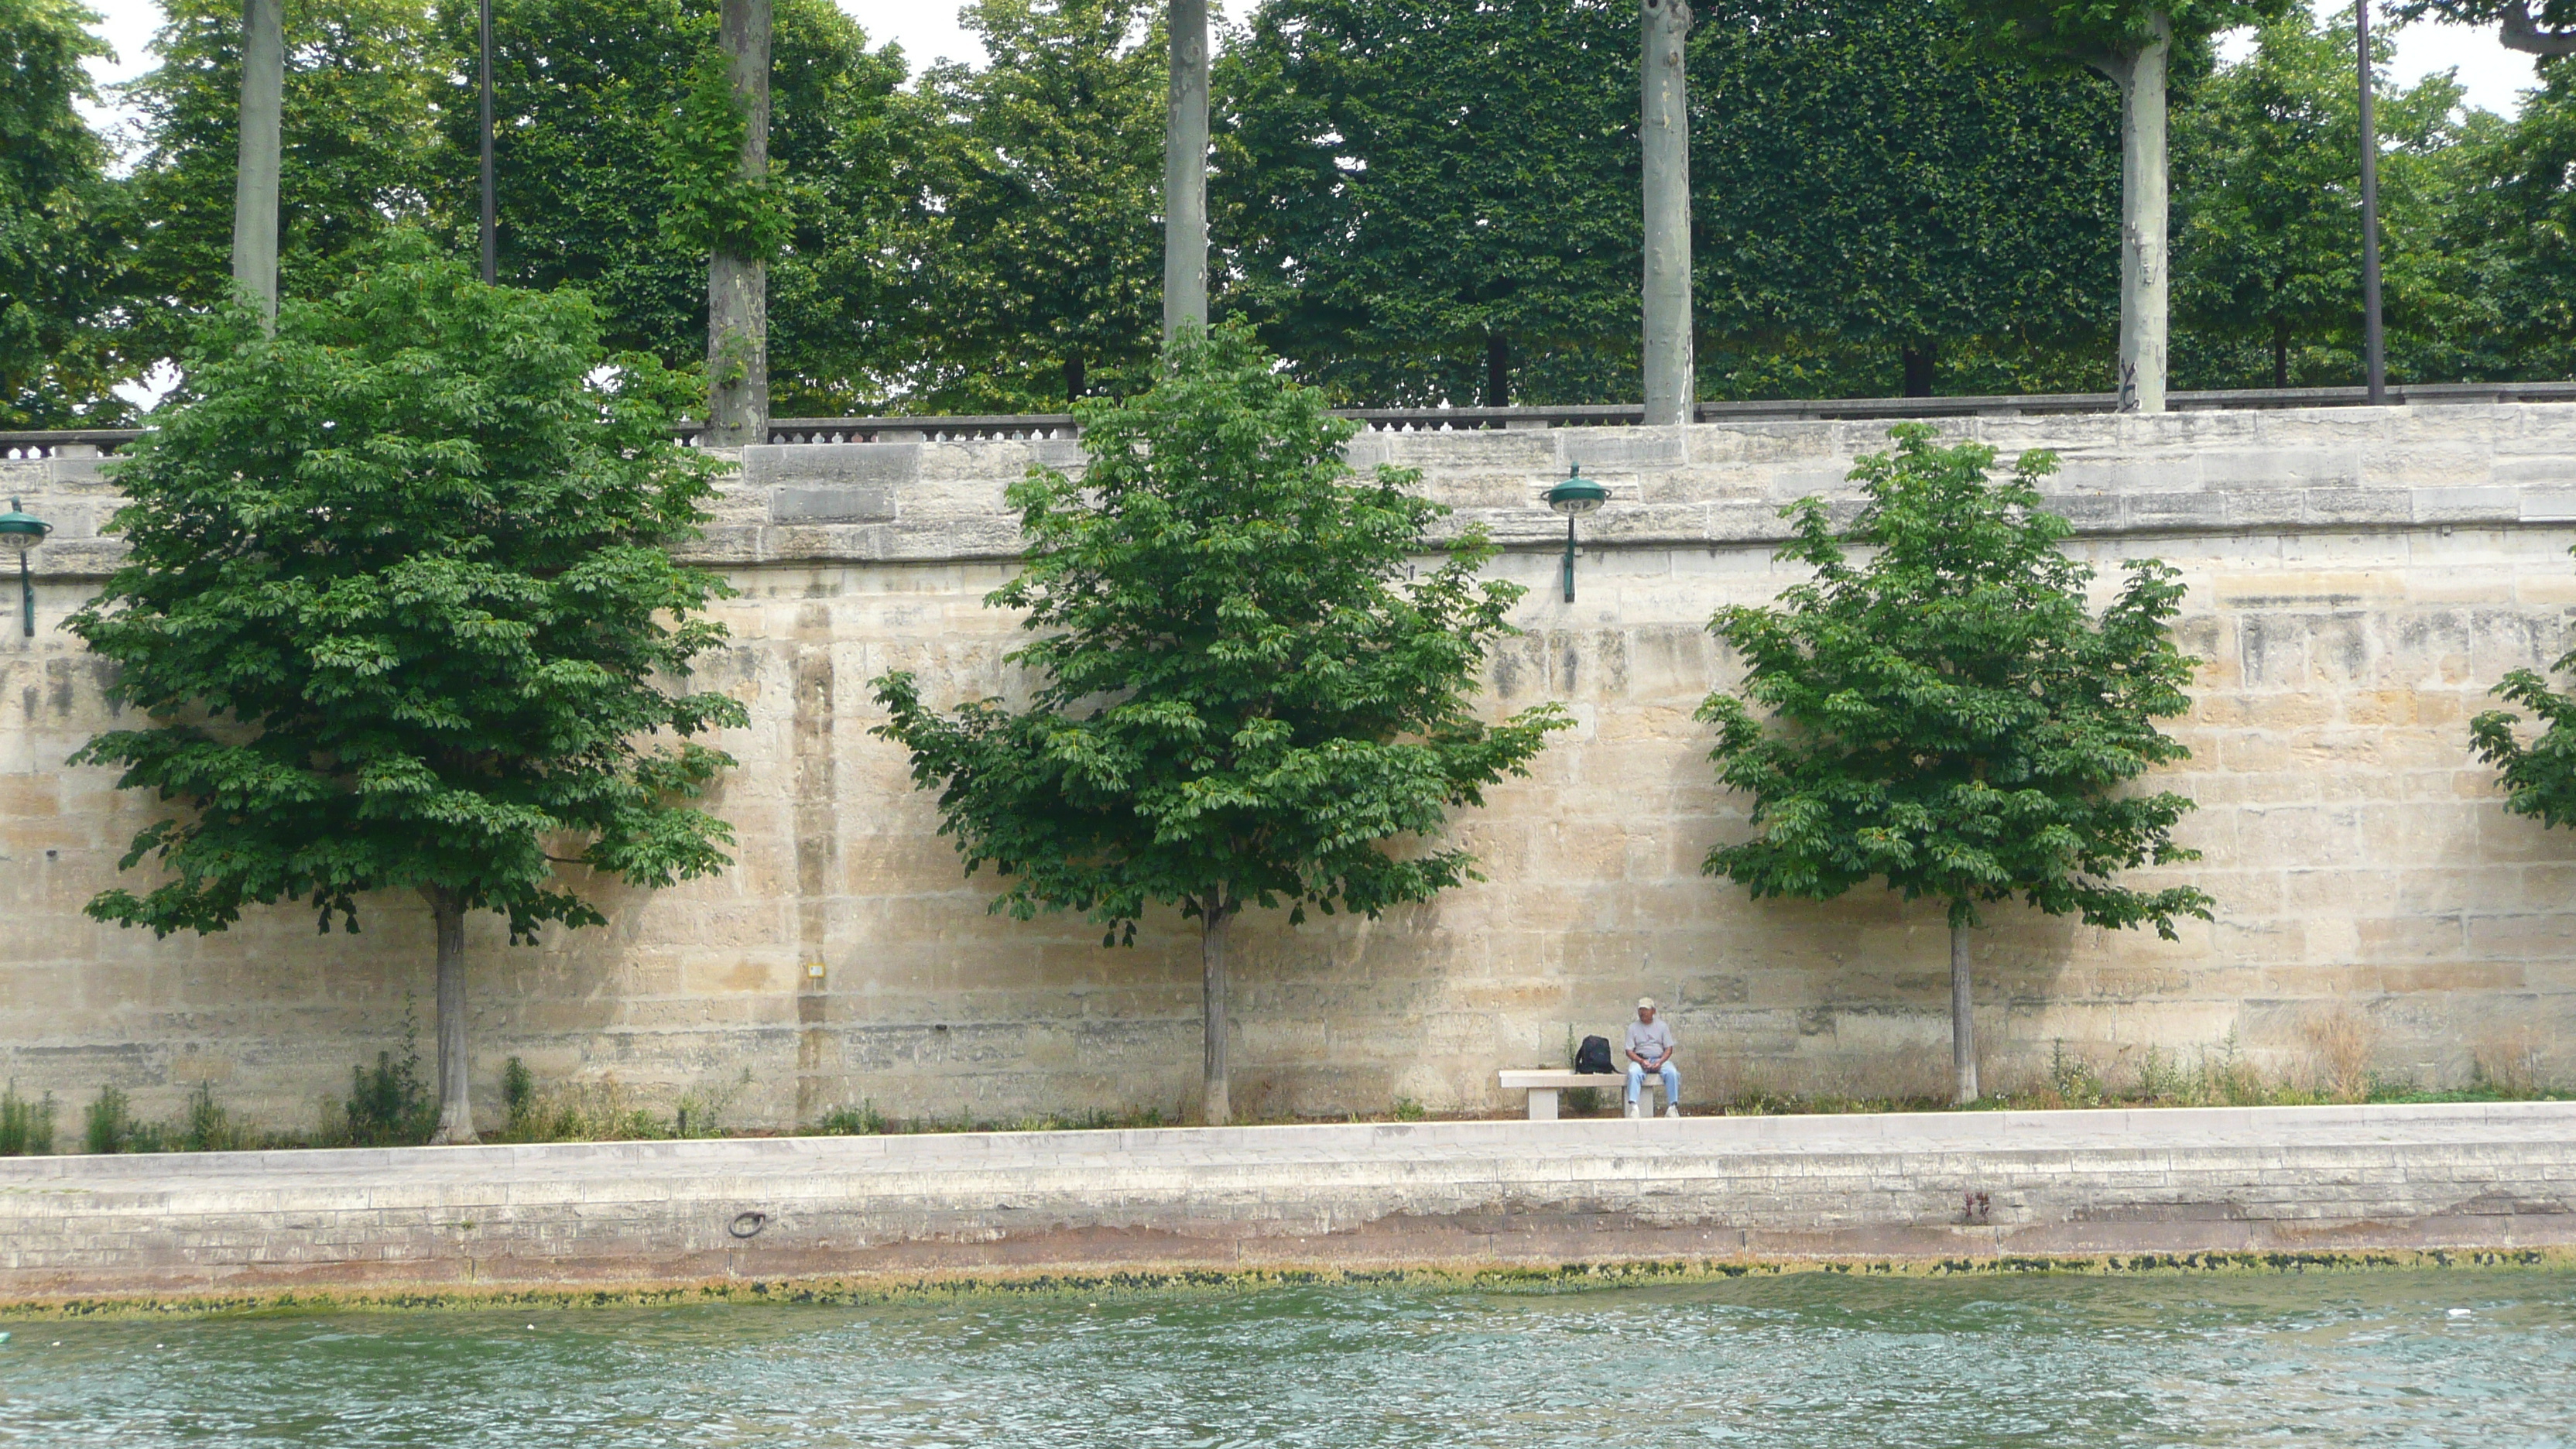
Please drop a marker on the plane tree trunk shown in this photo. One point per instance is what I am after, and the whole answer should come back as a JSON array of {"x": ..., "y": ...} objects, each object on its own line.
[
  {"x": 1664, "y": 118},
  {"x": 263, "y": 121},
  {"x": 1185, "y": 143},
  {"x": 738, "y": 286},
  {"x": 2144, "y": 195}
]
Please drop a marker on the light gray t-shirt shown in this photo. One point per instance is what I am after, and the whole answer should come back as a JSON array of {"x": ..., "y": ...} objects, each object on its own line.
[{"x": 1650, "y": 1039}]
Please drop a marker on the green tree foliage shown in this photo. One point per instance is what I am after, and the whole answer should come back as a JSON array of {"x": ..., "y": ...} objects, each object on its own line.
[
  {"x": 61, "y": 227},
  {"x": 713, "y": 206},
  {"x": 1948, "y": 715},
  {"x": 1429, "y": 202},
  {"x": 361, "y": 151},
  {"x": 2267, "y": 241},
  {"x": 1963, "y": 239},
  {"x": 615, "y": 172},
  {"x": 2084, "y": 32},
  {"x": 2534, "y": 27},
  {"x": 2539, "y": 776},
  {"x": 399, "y": 602},
  {"x": 2521, "y": 213},
  {"x": 1042, "y": 234},
  {"x": 1243, "y": 694},
  {"x": 2135, "y": 45}
]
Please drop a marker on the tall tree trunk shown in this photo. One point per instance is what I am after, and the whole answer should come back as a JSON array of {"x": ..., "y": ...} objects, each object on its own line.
[
  {"x": 263, "y": 121},
  {"x": 2143, "y": 195},
  {"x": 455, "y": 1101},
  {"x": 1498, "y": 371},
  {"x": 1664, "y": 119},
  {"x": 1963, "y": 1018},
  {"x": 1918, "y": 370},
  {"x": 2280, "y": 353},
  {"x": 1215, "y": 1109},
  {"x": 738, "y": 286},
  {"x": 1185, "y": 143}
]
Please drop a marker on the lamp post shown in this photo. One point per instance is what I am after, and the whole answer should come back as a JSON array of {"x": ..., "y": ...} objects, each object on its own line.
[
  {"x": 1574, "y": 497},
  {"x": 20, "y": 532},
  {"x": 2374, "y": 347}
]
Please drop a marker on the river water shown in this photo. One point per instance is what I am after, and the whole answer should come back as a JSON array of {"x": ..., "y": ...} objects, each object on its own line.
[{"x": 2332, "y": 1359}]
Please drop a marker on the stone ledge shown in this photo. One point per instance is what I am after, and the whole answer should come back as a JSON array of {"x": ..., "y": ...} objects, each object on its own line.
[
  {"x": 1711, "y": 484},
  {"x": 1972, "y": 1187}
]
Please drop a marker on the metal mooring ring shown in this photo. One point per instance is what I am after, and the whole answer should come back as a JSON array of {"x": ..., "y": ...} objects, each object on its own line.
[{"x": 747, "y": 1225}]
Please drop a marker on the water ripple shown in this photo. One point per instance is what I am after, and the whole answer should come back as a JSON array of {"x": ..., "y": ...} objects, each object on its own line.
[{"x": 1811, "y": 1359}]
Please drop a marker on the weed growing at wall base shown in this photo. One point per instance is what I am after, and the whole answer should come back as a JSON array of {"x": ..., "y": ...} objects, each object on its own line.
[{"x": 26, "y": 1128}]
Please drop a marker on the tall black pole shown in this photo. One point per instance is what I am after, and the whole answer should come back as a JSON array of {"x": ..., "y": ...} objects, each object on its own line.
[
  {"x": 2373, "y": 343},
  {"x": 490, "y": 261}
]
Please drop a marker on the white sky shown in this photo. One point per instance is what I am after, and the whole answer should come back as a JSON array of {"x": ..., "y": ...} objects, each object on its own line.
[{"x": 928, "y": 30}]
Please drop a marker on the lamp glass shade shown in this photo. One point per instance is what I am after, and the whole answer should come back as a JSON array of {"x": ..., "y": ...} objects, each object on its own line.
[
  {"x": 1577, "y": 495},
  {"x": 19, "y": 531}
]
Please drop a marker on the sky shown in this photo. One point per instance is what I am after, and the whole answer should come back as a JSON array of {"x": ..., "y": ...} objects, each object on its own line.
[{"x": 928, "y": 31}]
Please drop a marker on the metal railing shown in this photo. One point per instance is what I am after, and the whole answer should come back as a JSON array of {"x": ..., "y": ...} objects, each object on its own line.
[{"x": 96, "y": 442}]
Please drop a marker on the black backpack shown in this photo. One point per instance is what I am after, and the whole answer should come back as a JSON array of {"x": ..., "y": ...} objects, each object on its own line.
[{"x": 1593, "y": 1057}]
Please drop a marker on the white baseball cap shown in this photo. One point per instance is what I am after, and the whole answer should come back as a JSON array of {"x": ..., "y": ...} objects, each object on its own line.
[{"x": 1645, "y": 1003}]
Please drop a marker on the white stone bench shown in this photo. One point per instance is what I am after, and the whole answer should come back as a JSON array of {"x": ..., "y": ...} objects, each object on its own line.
[{"x": 1543, "y": 1084}]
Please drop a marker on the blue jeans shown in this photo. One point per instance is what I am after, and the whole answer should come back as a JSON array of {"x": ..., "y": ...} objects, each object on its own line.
[{"x": 1637, "y": 1083}]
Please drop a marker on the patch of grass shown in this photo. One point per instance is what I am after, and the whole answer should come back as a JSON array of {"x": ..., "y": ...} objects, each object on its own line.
[
  {"x": 108, "y": 1124},
  {"x": 602, "y": 1111},
  {"x": 204, "y": 1124},
  {"x": 863, "y": 1120},
  {"x": 26, "y": 1128}
]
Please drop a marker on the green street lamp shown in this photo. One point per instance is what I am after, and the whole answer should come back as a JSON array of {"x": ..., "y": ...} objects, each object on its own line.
[
  {"x": 1574, "y": 497},
  {"x": 20, "y": 532}
]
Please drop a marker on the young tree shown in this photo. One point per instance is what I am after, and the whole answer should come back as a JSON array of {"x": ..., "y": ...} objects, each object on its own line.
[
  {"x": 360, "y": 151},
  {"x": 1950, "y": 717},
  {"x": 2130, "y": 42},
  {"x": 1243, "y": 692},
  {"x": 1964, "y": 237},
  {"x": 399, "y": 602},
  {"x": 1042, "y": 245},
  {"x": 618, "y": 161},
  {"x": 2518, "y": 218},
  {"x": 1436, "y": 203},
  {"x": 2266, "y": 265}
]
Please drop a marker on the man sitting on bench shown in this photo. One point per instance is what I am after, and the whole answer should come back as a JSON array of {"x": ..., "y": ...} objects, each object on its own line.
[{"x": 1650, "y": 1049}]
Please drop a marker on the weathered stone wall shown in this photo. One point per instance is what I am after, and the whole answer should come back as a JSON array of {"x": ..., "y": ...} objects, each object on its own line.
[{"x": 2358, "y": 578}]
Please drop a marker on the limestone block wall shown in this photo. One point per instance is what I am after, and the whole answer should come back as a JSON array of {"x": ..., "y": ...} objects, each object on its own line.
[{"x": 2358, "y": 579}]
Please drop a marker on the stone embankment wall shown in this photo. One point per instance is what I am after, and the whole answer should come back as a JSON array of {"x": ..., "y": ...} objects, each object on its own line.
[
  {"x": 2358, "y": 579},
  {"x": 2287, "y": 1186}
]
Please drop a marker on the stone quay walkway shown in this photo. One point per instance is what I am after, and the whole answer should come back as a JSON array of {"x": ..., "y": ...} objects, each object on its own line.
[{"x": 2286, "y": 1184}]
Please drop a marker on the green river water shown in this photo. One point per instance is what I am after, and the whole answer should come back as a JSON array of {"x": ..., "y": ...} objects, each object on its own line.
[{"x": 2430, "y": 1358}]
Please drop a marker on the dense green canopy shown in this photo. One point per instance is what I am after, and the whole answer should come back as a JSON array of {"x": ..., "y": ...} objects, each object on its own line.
[
  {"x": 1945, "y": 713},
  {"x": 1429, "y": 202},
  {"x": 398, "y": 601},
  {"x": 397, "y": 612},
  {"x": 1243, "y": 691},
  {"x": 1414, "y": 201}
]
